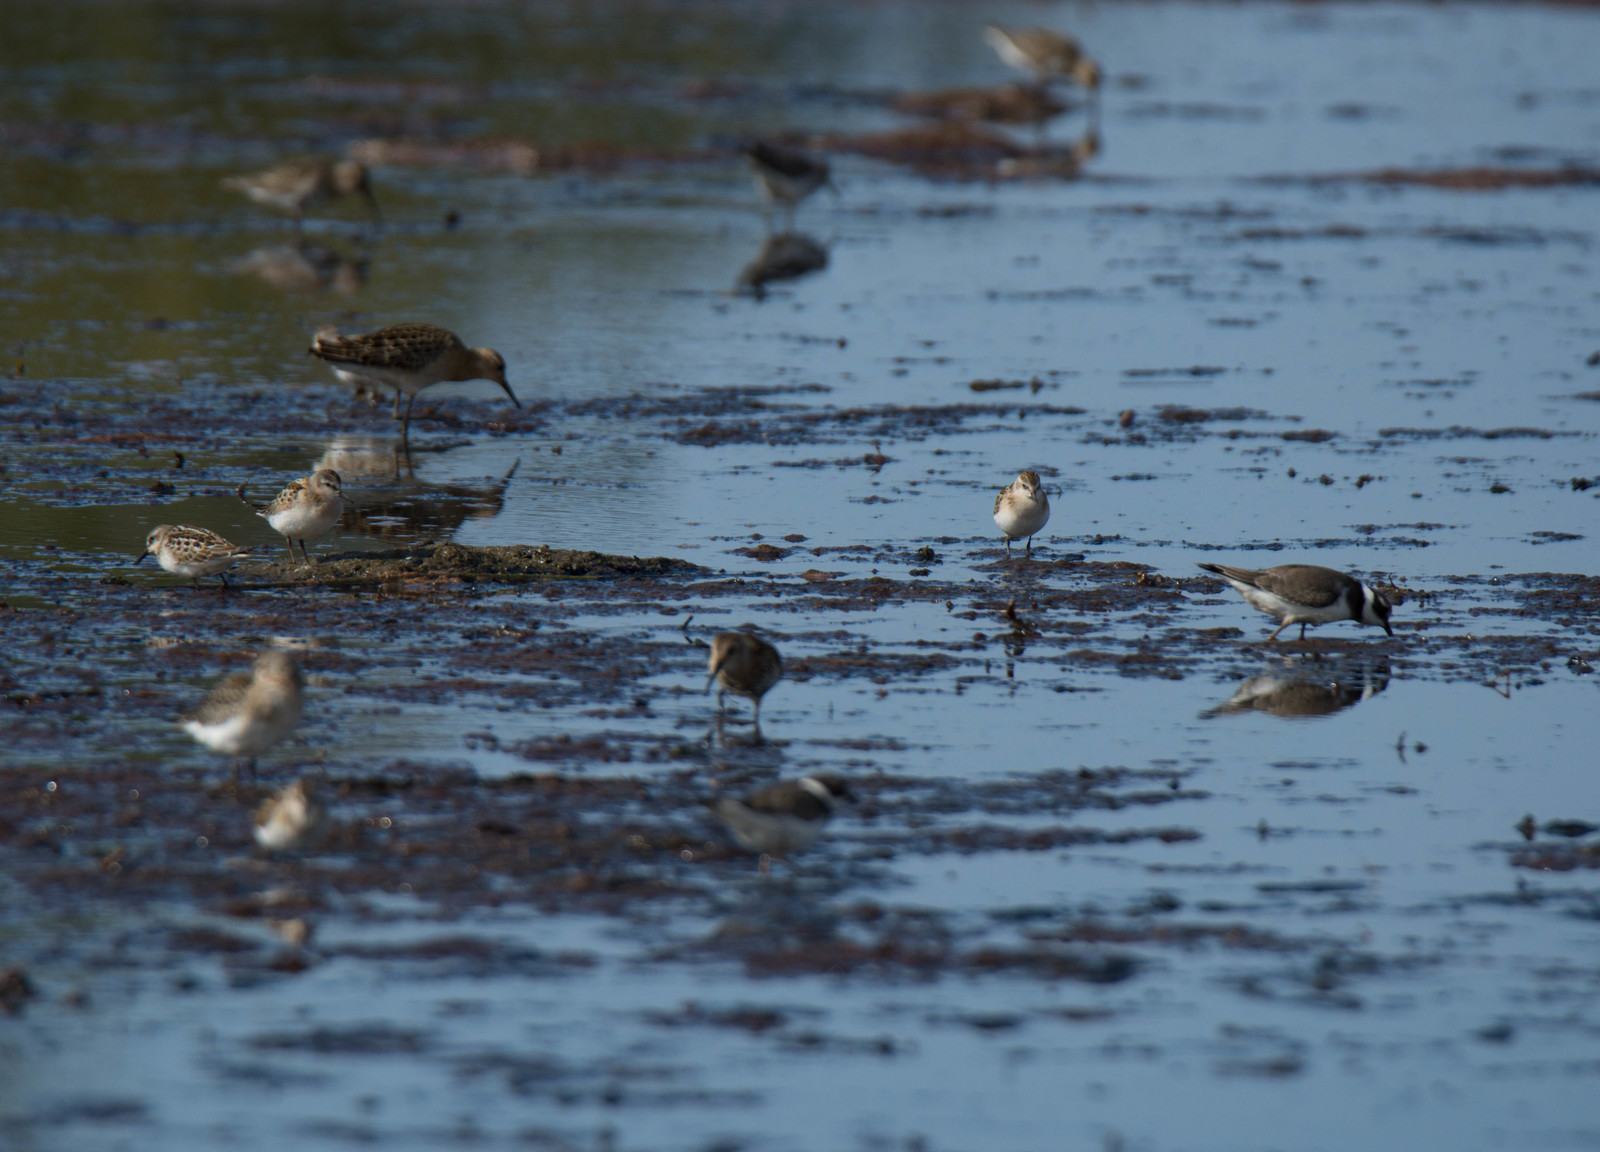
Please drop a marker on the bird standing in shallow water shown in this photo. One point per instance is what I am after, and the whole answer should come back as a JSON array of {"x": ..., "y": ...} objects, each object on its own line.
[
  {"x": 409, "y": 358},
  {"x": 784, "y": 817},
  {"x": 745, "y": 665},
  {"x": 251, "y": 711},
  {"x": 1306, "y": 594},
  {"x": 296, "y": 185},
  {"x": 1022, "y": 509},
  {"x": 1045, "y": 54},
  {"x": 184, "y": 550},
  {"x": 786, "y": 175},
  {"x": 306, "y": 509}
]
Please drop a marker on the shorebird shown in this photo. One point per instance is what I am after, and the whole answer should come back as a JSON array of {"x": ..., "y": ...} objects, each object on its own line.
[
  {"x": 296, "y": 185},
  {"x": 1045, "y": 54},
  {"x": 292, "y": 818},
  {"x": 250, "y": 711},
  {"x": 1022, "y": 509},
  {"x": 193, "y": 552},
  {"x": 785, "y": 175},
  {"x": 785, "y": 817},
  {"x": 745, "y": 665},
  {"x": 408, "y": 358},
  {"x": 1306, "y": 594},
  {"x": 306, "y": 509}
]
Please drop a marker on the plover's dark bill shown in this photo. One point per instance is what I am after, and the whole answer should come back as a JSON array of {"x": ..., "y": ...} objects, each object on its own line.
[{"x": 1306, "y": 594}]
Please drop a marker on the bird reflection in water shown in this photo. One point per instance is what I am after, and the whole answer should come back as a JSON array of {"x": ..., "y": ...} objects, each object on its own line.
[
  {"x": 783, "y": 256},
  {"x": 305, "y": 267},
  {"x": 1053, "y": 160},
  {"x": 1302, "y": 695},
  {"x": 394, "y": 502}
]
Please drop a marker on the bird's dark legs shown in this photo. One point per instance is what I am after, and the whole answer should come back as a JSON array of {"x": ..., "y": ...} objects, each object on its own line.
[
  {"x": 405, "y": 428},
  {"x": 1030, "y": 546}
]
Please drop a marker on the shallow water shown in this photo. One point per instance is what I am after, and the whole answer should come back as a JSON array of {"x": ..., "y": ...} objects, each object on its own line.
[{"x": 1083, "y": 901}]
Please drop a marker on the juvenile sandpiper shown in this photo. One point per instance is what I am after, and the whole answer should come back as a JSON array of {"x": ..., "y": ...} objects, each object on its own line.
[
  {"x": 184, "y": 550},
  {"x": 296, "y": 185},
  {"x": 745, "y": 665},
  {"x": 251, "y": 711},
  {"x": 1045, "y": 54},
  {"x": 291, "y": 819},
  {"x": 408, "y": 358},
  {"x": 785, "y": 817},
  {"x": 1022, "y": 509},
  {"x": 786, "y": 175},
  {"x": 1306, "y": 594},
  {"x": 306, "y": 509}
]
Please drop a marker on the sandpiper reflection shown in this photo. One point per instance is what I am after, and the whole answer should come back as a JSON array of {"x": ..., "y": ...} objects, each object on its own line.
[
  {"x": 1303, "y": 694},
  {"x": 783, "y": 256},
  {"x": 305, "y": 267},
  {"x": 393, "y": 501}
]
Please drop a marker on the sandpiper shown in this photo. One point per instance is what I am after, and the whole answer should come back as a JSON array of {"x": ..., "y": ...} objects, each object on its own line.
[
  {"x": 193, "y": 552},
  {"x": 1022, "y": 509},
  {"x": 786, "y": 175},
  {"x": 251, "y": 711},
  {"x": 306, "y": 509},
  {"x": 293, "y": 818},
  {"x": 1045, "y": 54},
  {"x": 745, "y": 665},
  {"x": 408, "y": 358},
  {"x": 297, "y": 185},
  {"x": 1306, "y": 594},
  {"x": 785, "y": 817}
]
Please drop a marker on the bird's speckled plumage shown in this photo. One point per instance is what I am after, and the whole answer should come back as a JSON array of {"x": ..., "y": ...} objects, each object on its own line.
[
  {"x": 409, "y": 358},
  {"x": 306, "y": 509},
  {"x": 185, "y": 550}
]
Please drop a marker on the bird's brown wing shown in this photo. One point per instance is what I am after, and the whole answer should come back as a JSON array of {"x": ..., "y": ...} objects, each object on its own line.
[
  {"x": 405, "y": 347},
  {"x": 223, "y": 701},
  {"x": 1281, "y": 582}
]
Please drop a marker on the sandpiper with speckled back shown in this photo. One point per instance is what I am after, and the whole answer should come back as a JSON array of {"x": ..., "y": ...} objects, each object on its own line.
[
  {"x": 1022, "y": 509},
  {"x": 408, "y": 358},
  {"x": 185, "y": 550},
  {"x": 296, "y": 185},
  {"x": 251, "y": 711},
  {"x": 306, "y": 509}
]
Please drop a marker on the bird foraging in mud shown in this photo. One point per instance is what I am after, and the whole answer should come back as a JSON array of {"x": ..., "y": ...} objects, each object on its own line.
[
  {"x": 1046, "y": 54},
  {"x": 783, "y": 818},
  {"x": 185, "y": 550},
  {"x": 408, "y": 358},
  {"x": 786, "y": 175},
  {"x": 306, "y": 509},
  {"x": 296, "y": 185},
  {"x": 1022, "y": 509},
  {"x": 745, "y": 665},
  {"x": 251, "y": 711},
  {"x": 1306, "y": 594}
]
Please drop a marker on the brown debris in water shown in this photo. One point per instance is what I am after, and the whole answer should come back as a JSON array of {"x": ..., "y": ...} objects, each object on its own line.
[{"x": 434, "y": 564}]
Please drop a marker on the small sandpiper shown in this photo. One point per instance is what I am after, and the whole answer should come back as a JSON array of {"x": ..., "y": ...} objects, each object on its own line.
[
  {"x": 745, "y": 665},
  {"x": 1045, "y": 54},
  {"x": 785, "y": 817},
  {"x": 251, "y": 711},
  {"x": 306, "y": 509},
  {"x": 786, "y": 175},
  {"x": 193, "y": 552},
  {"x": 297, "y": 185},
  {"x": 292, "y": 819},
  {"x": 1306, "y": 594},
  {"x": 408, "y": 358},
  {"x": 1022, "y": 509}
]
